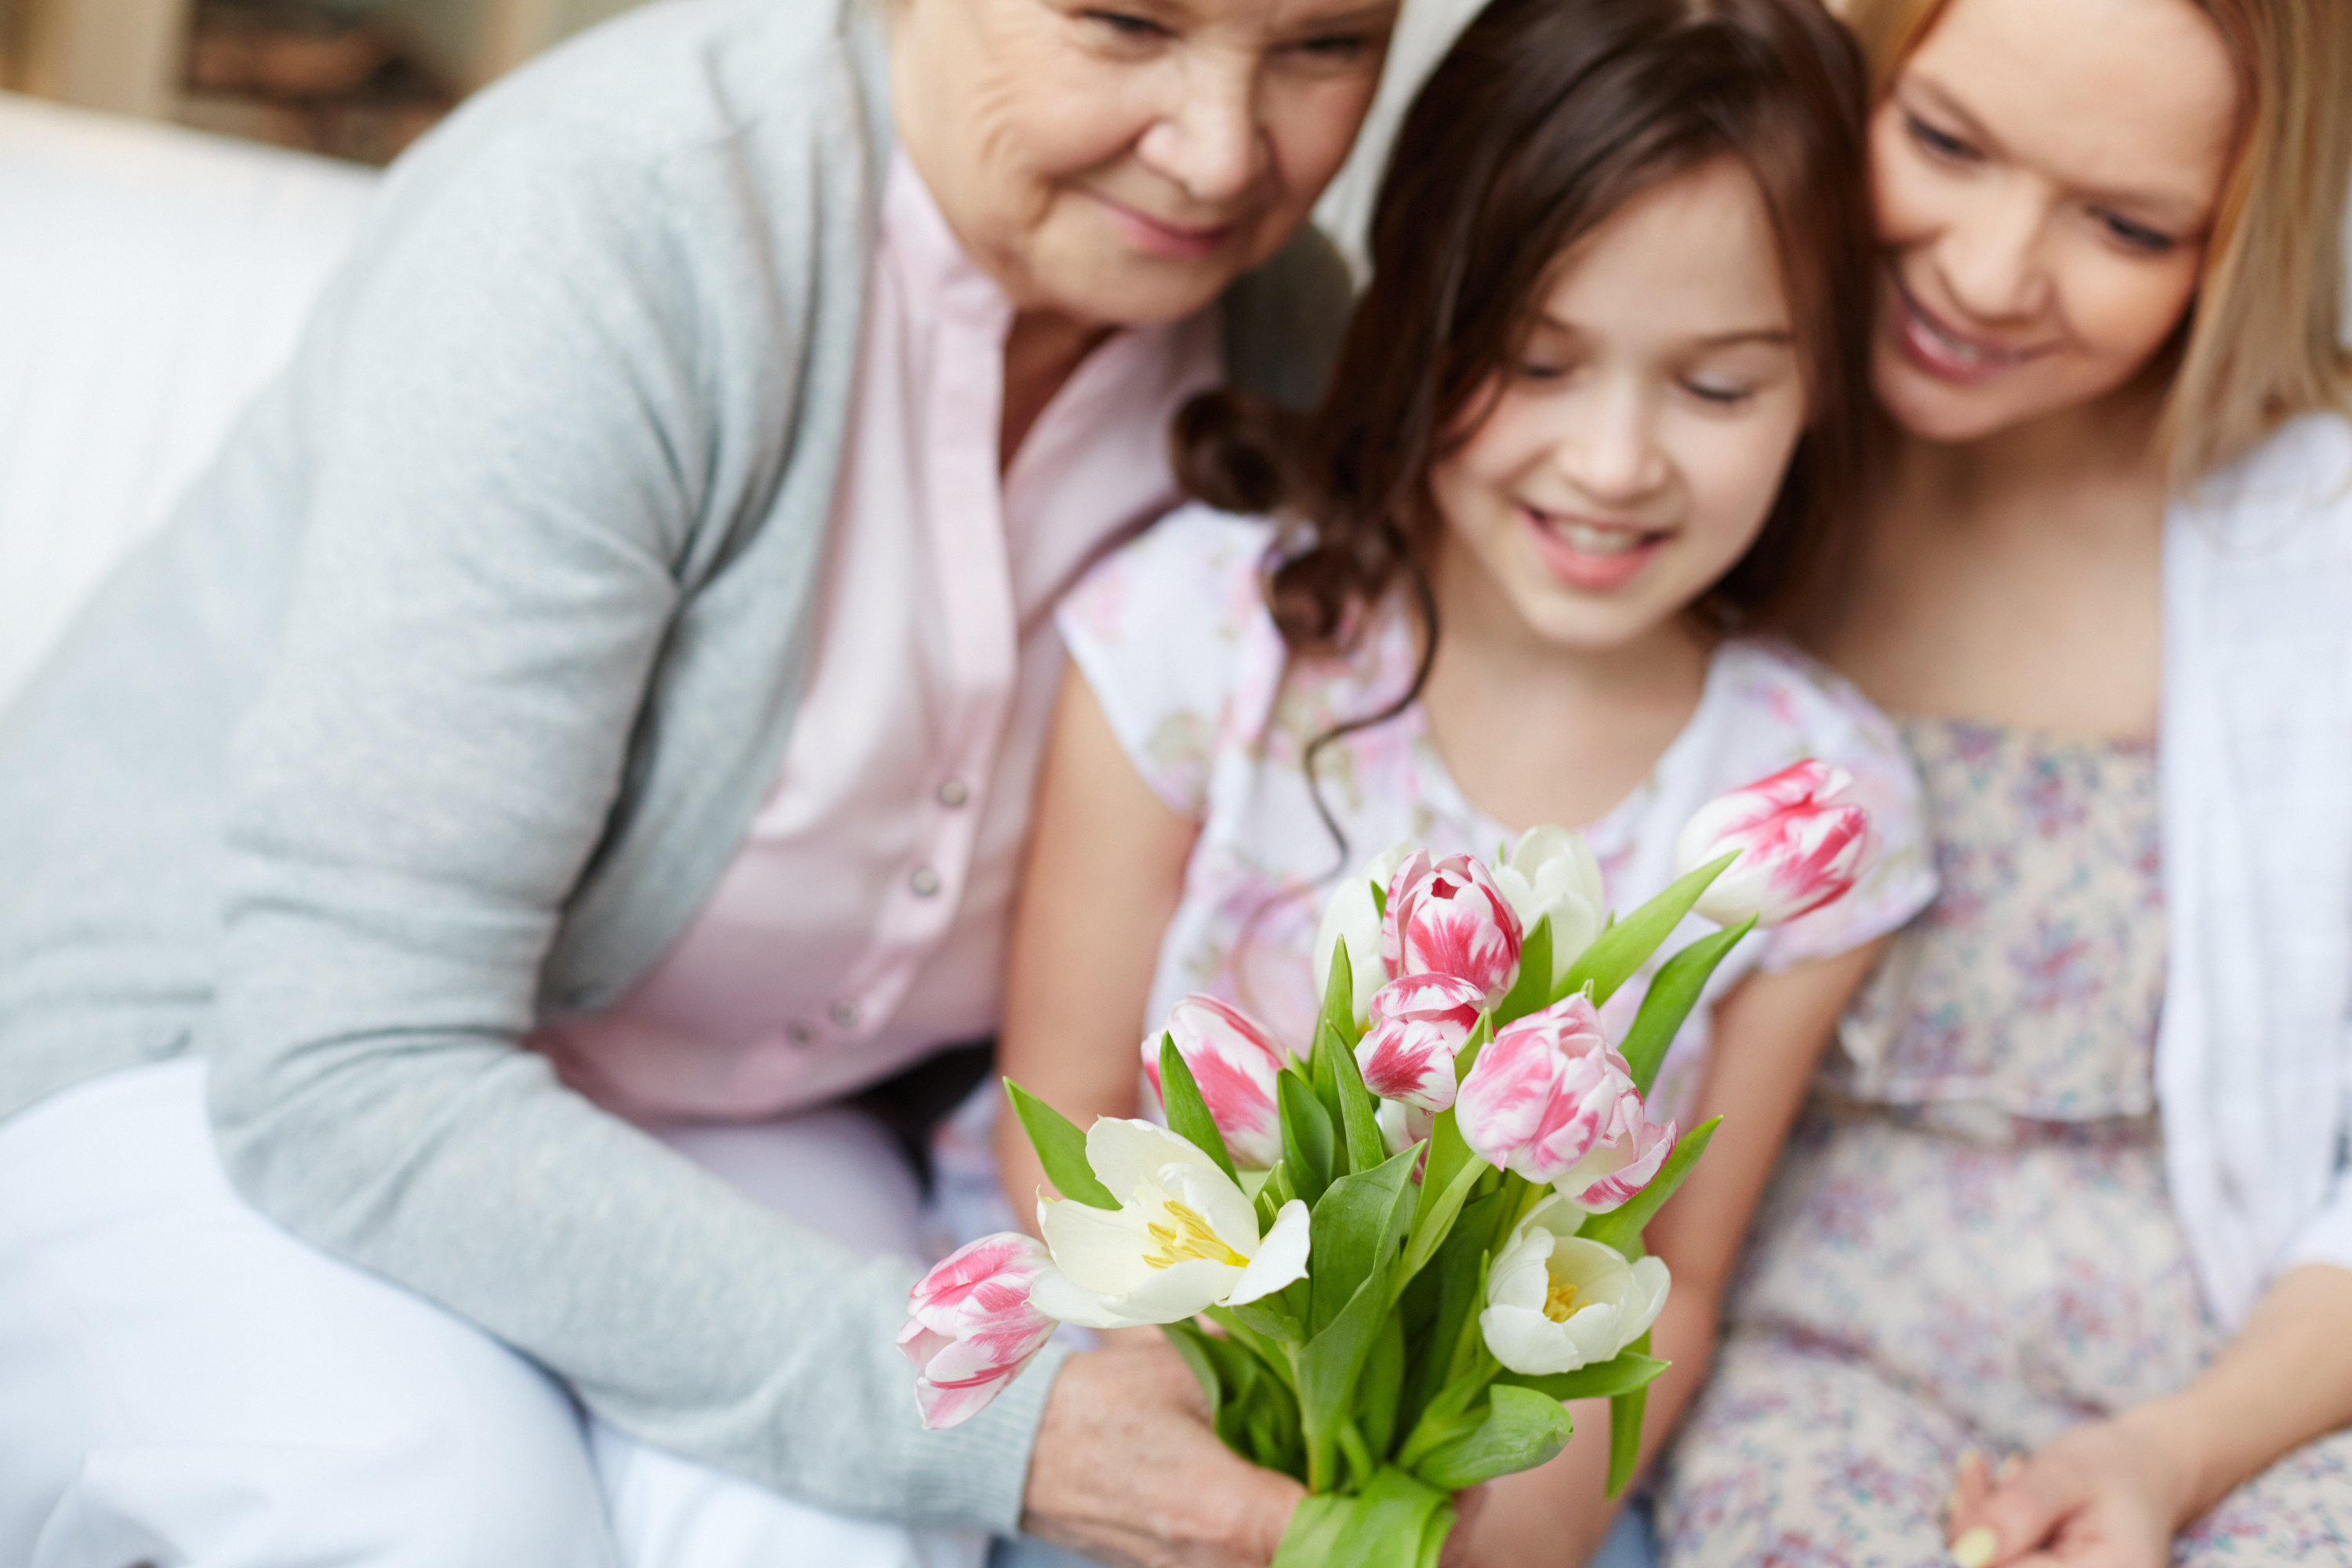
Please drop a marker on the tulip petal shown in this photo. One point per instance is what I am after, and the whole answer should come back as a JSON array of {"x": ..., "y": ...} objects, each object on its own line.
[
  {"x": 1281, "y": 1257},
  {"x": 1128, "y": 1152}
]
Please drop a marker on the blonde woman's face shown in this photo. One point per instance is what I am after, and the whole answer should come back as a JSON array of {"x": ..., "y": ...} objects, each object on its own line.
[
  {"x": 2045, "y": 177},
  {"x": 1119, "y": 163}
]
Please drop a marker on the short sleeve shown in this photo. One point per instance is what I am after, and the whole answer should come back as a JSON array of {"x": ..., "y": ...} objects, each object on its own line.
[
  {"x": 1840, "y": 726},
  {"x": 1168, "y": 632}
]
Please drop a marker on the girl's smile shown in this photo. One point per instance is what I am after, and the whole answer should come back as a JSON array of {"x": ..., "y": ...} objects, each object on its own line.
[{"x": 1589, "y": 555}]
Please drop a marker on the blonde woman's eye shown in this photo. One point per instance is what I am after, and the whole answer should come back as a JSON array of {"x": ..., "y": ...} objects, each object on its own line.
[
  {"x": 1938, "y": 143},
  {"x": 1720, "y": 393},
  {"x": 2137, "y": 237}
]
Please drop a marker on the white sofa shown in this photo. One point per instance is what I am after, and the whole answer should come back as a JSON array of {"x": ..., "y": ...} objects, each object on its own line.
[{"x": 151, "y": 278}]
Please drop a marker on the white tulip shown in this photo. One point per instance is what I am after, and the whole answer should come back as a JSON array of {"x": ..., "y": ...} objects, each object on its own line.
[
  {"x": 1183, "y": 1238},
  {"x": 1353, "y": 916},
  {"x": 1552, "y": 872},
  {"x": 1557, "y": 1302}
]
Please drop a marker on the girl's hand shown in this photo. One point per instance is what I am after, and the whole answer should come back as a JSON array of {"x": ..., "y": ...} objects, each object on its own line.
[{"x": 2108, "y": 1494}]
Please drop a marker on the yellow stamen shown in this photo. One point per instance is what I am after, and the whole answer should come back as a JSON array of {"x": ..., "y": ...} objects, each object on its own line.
[
  {"x": 1560, "y": 1301},
  {"x": 1190, "y": 1237}
]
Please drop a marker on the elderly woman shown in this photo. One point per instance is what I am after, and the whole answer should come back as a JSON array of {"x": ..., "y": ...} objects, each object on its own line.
[
  {"x": 593, "y": 702},
  {"x": 2061, "y": 1270}
]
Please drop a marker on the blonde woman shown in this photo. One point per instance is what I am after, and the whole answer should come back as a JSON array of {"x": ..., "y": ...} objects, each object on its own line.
[{"x": 2060, "y": 1268}]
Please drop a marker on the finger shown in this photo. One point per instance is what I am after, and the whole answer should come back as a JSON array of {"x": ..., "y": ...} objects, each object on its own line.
[
  {"x": 2016, "y": 1516},
  {"x": 1971, "y": 1484}
]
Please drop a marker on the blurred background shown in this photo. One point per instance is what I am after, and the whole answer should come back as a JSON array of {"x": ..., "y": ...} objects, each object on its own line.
[{"x": 352, "y": 79}]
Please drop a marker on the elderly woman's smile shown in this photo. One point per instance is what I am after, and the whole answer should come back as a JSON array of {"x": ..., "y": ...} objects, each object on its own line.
[{"x": 1121, "y": 163}]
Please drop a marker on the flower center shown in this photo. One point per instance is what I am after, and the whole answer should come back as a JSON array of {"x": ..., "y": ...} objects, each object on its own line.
[
  {"x": 1190, "y": 1237},
  {"x": 1560, "y": 1301}
]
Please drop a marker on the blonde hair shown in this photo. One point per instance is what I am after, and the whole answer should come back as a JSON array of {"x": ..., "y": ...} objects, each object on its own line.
[{"x": 2264, "y": 341}]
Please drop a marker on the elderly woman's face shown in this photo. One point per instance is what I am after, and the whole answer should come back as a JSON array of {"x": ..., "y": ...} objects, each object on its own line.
[
  {"x": 1123, "y": 162},
  {"x": 2046, "y": 176}
]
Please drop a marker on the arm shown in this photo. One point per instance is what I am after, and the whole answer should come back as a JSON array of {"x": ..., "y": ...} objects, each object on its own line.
[
  {"x": 507, "y": 426},
  {"x": 1105, "y": 869},
  {"x": 2114, "y": 1493},
  {"x": 1769, "y": 1036}
]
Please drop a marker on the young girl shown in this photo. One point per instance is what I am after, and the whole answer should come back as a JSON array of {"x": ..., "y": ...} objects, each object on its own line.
[{"x": 1591, "y": 427}]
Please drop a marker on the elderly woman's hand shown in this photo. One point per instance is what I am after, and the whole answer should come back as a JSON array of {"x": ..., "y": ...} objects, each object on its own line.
[
  {"x": 1126, "y": 1469},
  {"x": 2107, "y": 1494}
]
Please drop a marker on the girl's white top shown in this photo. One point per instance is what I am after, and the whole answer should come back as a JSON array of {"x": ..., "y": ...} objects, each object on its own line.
[
  {"x": 2255, "y": 1051},
  {"x": 1173, "y": 635}
]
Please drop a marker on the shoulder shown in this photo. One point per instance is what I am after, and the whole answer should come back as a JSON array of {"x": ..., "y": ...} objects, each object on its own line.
[
  {"x": 2285, "y": 504},
  {"x": 671, "y": 82},
  {"x": 711, "y": 145},
  {"x": 1168, "y": 631},
  {"x": 1774, "y": 697}
]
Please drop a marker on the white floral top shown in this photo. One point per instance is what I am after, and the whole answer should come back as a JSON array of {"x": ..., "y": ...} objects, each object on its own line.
[{"x": 1174, "y": 636}]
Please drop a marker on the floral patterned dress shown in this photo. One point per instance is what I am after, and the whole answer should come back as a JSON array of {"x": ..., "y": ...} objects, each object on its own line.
[{"x": 1969, "y": 1244}]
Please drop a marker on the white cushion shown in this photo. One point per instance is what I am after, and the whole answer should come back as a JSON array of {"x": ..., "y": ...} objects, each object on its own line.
[{"x": 151, "y": 279}]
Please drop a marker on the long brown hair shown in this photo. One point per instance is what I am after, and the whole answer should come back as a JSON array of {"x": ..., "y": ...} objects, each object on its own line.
[
  {"x": 1544, "y": 119},
  {"x": 2264, "y": 341}
]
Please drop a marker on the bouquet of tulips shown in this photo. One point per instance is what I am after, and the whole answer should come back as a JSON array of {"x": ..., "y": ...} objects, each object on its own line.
[{"x": 1391, "y": 1260}]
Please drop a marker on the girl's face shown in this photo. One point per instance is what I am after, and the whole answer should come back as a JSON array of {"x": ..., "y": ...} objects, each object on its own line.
[
  {"x": 1120, "y": 164},
  {"x": 1630, "y": 458},
  {"x": 2046, "y": 176}
]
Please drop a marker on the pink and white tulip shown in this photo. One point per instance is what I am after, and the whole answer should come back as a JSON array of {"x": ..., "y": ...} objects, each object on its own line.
[
  {"x": 1546, "y": 1092},
  {"x": 1419, "y": 1023},
  {"x": 1618, "y": 1168},
  {"x": 1235, "y": 1060},
  {"x": 1799, "y": 848},
  {"x": 970, "y": 1329},
  {"x": 1447, "y": 917}
]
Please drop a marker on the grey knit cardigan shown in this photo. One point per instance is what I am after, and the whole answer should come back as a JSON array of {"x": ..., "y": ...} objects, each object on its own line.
[{"x": 445, "y": 696}]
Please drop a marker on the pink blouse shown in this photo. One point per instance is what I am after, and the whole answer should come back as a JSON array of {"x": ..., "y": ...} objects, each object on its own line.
[{"x": 863, "y": 921}]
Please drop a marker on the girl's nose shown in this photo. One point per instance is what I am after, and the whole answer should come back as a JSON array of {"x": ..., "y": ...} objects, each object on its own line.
[
  {"x": 1609, "y": 450},
  {"x": 1210, "y": 138}
]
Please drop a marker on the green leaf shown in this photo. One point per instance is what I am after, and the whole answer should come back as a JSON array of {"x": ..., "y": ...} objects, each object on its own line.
[
  {"x": 1380, "y": 896},
  {"x": 1306, "y": 1141},
  {"x": 1517, "y": 1430},
  {"x": 1531, "y": 992},
  {"x": 1382, "y": 1383},
  {"x": 1457, "y": 1271},
  {"x": 1192, "y": 1345},
  {"x": 1354, "y": 1231},
  {"x": 1625, "y": 1412},
  {"x": 1618, "y": 952},
  {"x": 1628, "y": 1371},
  {"x": 1359, "y": 1123},
  {"x": 1339, "y": 994},
  {"x": 1267, "y": 1349},
  {"x": 1672, "y": 992},
  {"x": 1188, "y": 1113},
  {"x": 1395, "y": 1522},
  {"x": 1062, "y": 1148},
  {"x": 1434, "y": 1219},
  {"x": 1327, "y": 1370},
  {"x": 1279, "y": 1327},
  {"x": 1622, "y": 1227}
]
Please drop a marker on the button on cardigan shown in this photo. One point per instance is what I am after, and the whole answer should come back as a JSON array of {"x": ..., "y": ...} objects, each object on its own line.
[{"x": 446, "y": 695}]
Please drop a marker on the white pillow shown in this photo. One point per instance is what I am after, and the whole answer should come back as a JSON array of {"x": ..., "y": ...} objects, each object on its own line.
[{"x": 151, "y": 279}]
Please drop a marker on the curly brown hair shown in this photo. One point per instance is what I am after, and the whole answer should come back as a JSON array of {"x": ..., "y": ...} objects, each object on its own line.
[{"x": 1545, "y": 117}]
